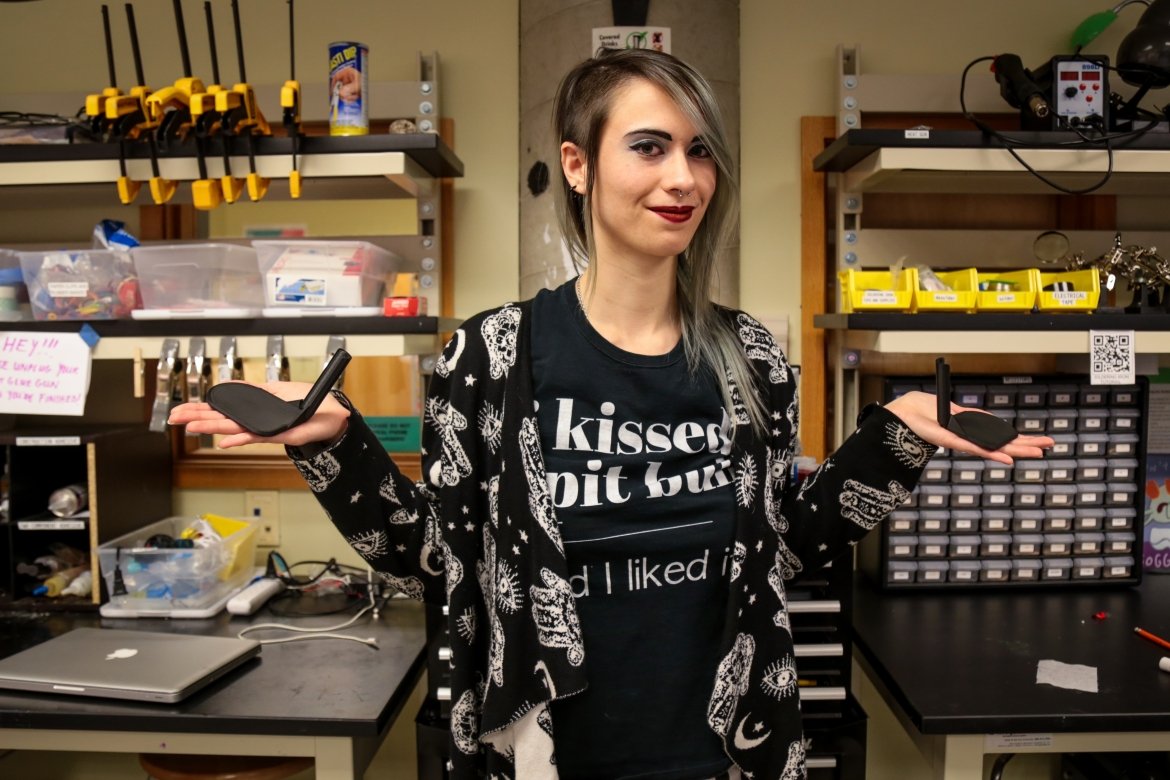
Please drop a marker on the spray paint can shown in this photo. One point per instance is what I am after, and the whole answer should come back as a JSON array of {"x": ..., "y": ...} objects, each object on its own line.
[
  {"x": 69, "y": 500},
  {"x": 348, "y": 82}
]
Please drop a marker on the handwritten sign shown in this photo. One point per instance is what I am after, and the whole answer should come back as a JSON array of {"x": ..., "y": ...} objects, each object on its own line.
[{"x": 43, "y": 373}]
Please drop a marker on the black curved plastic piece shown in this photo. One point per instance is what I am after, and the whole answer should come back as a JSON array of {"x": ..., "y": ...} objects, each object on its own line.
[
  {"x": 260, "y": 412},
  {"x": 981, "y": 428}
]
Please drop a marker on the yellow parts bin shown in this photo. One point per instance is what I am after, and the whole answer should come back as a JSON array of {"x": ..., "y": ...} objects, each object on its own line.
[
  {"x": 961, "y": 296},
  {"x": 877, "y": 290},
  {"x": 1021, "y": 296},
  {"x": 1069, "y": 290}
]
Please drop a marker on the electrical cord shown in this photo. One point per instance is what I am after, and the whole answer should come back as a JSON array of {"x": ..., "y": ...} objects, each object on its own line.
[
  {"x": 1142, "y": 89},
  {"x": 997, "y": 768},
  {"x": 1011, "y": 143},
  {"x": 326, "y": 632}
]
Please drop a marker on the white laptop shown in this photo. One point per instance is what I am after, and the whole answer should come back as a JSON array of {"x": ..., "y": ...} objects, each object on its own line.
[{"x": 119, "y": 664}]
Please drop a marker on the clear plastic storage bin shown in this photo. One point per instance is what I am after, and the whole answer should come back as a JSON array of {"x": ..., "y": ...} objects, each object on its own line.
[
  {"x": 219, "y": 279},
  {"x": 87, "y": 284},
  {"x": 161, "y": 580},
  {"x": 324, "y": 275}
]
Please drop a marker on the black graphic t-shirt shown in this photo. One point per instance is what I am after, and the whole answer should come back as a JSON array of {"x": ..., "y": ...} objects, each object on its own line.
[{"x": 640, "y": 474}]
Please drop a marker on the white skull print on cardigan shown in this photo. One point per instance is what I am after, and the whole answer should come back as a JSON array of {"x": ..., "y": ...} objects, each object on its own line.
[{"x": 479, "y": 532}]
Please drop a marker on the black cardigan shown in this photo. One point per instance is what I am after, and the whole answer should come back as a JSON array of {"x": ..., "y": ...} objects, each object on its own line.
[{"x": 479, "y": 533}]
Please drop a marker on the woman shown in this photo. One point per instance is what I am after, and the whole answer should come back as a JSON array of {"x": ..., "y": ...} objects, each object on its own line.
[{"x": 606, "y": 474}]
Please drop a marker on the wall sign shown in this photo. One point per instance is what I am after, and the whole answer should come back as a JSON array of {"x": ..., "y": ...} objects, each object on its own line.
[
  {"x": 657, "y": 38},
  {"x": 43, "y": 373}
]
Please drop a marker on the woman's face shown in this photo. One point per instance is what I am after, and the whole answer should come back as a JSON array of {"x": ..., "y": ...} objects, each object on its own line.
[{"x": 655, "y": 176}]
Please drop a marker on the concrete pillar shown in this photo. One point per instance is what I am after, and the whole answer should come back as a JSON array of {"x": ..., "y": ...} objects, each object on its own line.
[{"x": 554, "y": 36}]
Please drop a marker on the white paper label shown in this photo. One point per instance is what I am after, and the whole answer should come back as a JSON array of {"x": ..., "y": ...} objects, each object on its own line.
[
  {"x": 901, "y": 549},
  {"x": 1005, "y": 298},
  {"x": 68, "y": 289},
  {"x": 1069, "y": 297},
  {"x": 1111, "y": 357},
  {"x": 879, "y": 297},
  {"x": 48, "y": 441},
  {"x": 1117, "y": 571},
  {"x": 43, "y": 373},
  {"x": 51, "y": 525},
  {"x": 917, "y": 134},
  {"x": 942, "y": 297}
]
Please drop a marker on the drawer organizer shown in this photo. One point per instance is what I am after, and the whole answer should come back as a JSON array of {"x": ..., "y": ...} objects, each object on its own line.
[{"x": 1073, "y": 518}]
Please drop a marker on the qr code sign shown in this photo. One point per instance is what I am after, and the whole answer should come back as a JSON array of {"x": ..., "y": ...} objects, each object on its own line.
[{"x": 1111, "y": 357}]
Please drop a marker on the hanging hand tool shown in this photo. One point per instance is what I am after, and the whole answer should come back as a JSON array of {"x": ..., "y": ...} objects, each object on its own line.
[
  {"x": 95, "y": 105},
  {"x": 276, "y": 364},
  {"x": 230, "y": 187},
  {"x": 207, "y": 193},
  {"x": 170, "y": 108},
  {"x": 130, "y": 122},
  {"x": 290, "y": 101},
  {"x": 231, "y": 365},
  {"x": 241, "y": 115},
  {"x": 168, "y": 387}
]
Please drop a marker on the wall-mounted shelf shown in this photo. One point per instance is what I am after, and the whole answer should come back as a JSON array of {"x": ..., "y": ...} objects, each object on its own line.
[
  {"x": 967, "y": 161},
  {"x": 352, "y": 167},
  {"x": 991, "y": 333},
  {"x": 304, "y": 336}
]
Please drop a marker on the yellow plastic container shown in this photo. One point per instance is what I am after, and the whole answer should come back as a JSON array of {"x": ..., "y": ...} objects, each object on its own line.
[
  {"x": 1086, "y": 291},
  {"x": 961, "y": 297},
  {"x": 875, "y": 290},
  {"x": 237, "y": 538},
  {"x": 1023, "y": 298}
]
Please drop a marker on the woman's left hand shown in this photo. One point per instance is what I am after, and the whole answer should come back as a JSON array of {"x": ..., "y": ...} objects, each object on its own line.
[{"x": 919, "y": 411}]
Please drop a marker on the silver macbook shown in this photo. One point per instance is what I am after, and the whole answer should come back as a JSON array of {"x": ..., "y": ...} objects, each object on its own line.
[{"x": 118, "y": 664}]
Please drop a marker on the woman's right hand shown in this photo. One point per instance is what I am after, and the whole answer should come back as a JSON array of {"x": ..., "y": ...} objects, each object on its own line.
[{"x": 327, "y": 424}]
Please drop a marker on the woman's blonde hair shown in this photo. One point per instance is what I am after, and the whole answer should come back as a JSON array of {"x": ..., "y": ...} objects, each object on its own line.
[{"x": 580, "y": 111}]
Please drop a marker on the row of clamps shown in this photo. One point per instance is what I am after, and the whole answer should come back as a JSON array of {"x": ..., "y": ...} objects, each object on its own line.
[
  {"x": 178, "y": 381},
  {"x": 168, "y": 117}
]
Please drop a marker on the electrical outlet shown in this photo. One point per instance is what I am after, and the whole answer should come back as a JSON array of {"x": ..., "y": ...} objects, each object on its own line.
[{"x": 263, "y": 507}]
